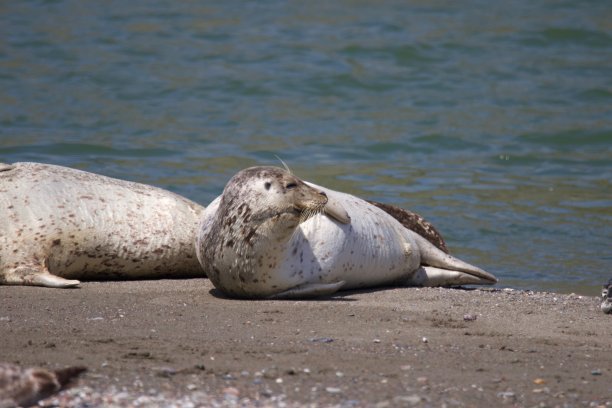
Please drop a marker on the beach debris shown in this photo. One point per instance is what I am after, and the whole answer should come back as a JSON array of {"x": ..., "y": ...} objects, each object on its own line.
[
  {"x": 24, "y": 387},
  {"x": 321, "y": 340}
]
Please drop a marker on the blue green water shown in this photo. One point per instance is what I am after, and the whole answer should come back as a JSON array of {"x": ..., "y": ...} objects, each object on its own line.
[{"x": 491, "y": 119}]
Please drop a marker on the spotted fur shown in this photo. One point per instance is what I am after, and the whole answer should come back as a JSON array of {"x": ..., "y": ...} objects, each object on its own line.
[
  {"x": 414, "y": 222},
  {"x": 271, "y": 234},
  {"x": 58, "y": 225}
]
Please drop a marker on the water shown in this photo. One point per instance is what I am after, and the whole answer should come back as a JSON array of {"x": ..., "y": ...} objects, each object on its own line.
[{"x": 493, "y": 120}]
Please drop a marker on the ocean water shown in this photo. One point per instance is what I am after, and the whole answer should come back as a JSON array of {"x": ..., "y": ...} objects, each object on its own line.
[{"x": 491, "y": 119}]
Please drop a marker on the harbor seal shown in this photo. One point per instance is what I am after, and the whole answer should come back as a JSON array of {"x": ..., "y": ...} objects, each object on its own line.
[
  {"x": 272, "y": 235},
  {"x": 58, "y": 225}
]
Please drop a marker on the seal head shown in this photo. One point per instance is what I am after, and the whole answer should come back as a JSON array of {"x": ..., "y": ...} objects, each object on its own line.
[{"x": 258, "y": 212}]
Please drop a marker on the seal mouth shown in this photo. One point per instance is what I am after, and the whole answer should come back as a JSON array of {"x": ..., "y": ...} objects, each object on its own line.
[
  {"x": 327, "y": 207},
  {"x": 310, "y": 211}
]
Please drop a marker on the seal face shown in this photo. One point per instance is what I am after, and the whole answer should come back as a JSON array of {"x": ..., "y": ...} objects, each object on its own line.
[
  {"x": 58, "y": 225},
  {"x": 271, "y": 234}
]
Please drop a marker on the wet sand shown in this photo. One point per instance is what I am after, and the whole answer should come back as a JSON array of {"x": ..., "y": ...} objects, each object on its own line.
[{"x": 150, "y": 343}]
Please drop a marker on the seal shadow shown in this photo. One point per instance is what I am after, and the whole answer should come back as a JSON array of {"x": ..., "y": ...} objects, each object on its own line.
[
  {"x": 341, "y": 296},
  {"x": 336, "y": 297},
  {"x": 353, "y": 292}
]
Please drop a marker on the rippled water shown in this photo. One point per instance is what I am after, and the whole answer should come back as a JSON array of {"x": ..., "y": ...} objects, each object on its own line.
[{"x": 493, "y": 120}]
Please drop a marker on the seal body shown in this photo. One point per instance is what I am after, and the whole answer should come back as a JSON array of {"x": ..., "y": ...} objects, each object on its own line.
[
  {"x": 272, "y": 235},
  {"x": 58, "y": 225}
]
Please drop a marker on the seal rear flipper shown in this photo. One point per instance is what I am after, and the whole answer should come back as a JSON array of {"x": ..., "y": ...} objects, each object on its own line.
[
  {"x": 30, "y": 276},
  {"x": 431, "y": 276},
  {"x": 309, "y": 290},
  {"x": 432, "y": 256}
]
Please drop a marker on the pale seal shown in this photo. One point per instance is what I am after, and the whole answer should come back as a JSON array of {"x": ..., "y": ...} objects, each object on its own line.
[
  {"x": 59, "y": 224},
  {"x": 271, "y": 234}
]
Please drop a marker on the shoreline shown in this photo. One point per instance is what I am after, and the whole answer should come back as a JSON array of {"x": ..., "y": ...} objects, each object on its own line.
[{"x": 161, "y": 341}]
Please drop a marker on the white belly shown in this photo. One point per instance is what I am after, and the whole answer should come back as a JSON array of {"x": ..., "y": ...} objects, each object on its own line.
[{"x": 374, "y": 249}]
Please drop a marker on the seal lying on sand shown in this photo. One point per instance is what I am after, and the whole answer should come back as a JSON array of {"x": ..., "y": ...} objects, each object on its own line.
[
  {"x": 272, "y": 235},
  {"x": 59, "y": 224}
]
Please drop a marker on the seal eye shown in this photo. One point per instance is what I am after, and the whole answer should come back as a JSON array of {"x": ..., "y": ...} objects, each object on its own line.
[
  {"x": 268, "y": 185},
  {"x": 291, "y": 186}
]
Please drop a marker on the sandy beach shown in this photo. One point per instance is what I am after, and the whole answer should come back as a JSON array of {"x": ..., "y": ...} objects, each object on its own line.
[{"x": 165, "y": 342}]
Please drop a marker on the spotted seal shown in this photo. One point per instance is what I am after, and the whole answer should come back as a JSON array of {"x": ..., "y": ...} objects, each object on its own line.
[
  {"x": 272, "y": 235},
  {"x": 59, "y": 224}
]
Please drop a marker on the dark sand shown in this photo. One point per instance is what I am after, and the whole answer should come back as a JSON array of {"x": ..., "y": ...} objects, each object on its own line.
[{"x": 176, "y": 340}]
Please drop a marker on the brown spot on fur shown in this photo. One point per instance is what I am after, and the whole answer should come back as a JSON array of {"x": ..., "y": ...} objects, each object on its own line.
[{"x": 415, "y": 223}]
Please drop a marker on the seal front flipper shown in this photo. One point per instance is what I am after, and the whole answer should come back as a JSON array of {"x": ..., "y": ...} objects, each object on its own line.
[
  {"x": 31, "y": 276},
  {"x": 336, "y": 210},
  {"x": 309, "y": 290}
]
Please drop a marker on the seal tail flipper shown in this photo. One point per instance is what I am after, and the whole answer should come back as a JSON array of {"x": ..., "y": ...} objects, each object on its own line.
[
  {"x": 309, "y": 290},
  {"x": 434, "y": 257},
  {"x": 30, "y": 276},
  {"x": 431, "y": 276}
]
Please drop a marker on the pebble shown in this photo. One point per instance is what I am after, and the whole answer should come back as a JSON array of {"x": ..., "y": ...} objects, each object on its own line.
[
  {"x": 402, "y": 400},
  {"x": 469, "y": 317},
  {"x": 164, "y": 371},
  {"x": 82, "y": 397},
  {"x": 507, "y": 395},
  {"x": 321, "y": 339},
  {"x": 333, "y": 390}
]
